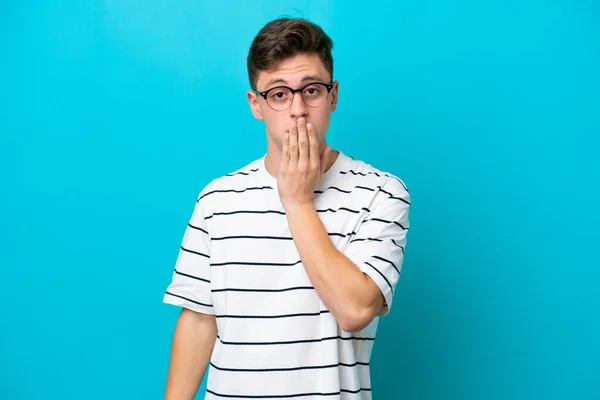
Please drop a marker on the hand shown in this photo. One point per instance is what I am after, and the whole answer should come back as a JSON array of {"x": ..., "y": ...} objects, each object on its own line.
[{"x": 301, "y": 166}]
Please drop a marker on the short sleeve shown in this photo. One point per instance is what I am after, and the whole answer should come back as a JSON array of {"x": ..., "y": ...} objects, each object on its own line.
[
  {"x": 379, "y": 242},
  {"x": 190, "y": 284}
]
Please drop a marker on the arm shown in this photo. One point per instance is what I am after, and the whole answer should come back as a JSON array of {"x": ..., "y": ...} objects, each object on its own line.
[
  {"x": 350, "y": 294},
  {"x": 356, "y": 285},
  {"x": 193, "y": 341},
  {"x": 196, "y": 330}
]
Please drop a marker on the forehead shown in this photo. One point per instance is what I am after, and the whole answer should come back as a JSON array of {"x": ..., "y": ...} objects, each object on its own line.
[{"x": 294, "y": 71}]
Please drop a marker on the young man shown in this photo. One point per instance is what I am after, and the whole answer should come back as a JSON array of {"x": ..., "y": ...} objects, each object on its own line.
[{"x": 287, "y": 262}]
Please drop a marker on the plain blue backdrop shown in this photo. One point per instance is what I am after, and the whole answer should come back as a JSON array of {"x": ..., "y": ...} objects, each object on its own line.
[{"x": 115, "y": 114}]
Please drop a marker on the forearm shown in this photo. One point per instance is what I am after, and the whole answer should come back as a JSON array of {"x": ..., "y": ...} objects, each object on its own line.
[
  {"x": 192, "y": 346},
  {"x": 351, "y": 296}
]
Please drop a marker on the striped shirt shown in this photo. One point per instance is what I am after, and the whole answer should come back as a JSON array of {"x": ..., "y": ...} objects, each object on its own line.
[{"x": 238, "y": 261}]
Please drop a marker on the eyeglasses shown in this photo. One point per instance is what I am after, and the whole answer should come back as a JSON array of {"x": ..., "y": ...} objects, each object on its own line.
[{"x": 280, "y": 98}]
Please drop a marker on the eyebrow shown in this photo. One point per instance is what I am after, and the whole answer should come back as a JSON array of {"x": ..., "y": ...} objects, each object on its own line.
[{"x": 305, "y": 79}]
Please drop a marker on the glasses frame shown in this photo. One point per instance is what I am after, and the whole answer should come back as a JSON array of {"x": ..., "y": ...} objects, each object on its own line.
[{"x": 264, "y": 94}]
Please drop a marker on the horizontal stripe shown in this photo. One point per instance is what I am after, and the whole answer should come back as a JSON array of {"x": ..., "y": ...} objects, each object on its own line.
[
  {"x": 191, "y": 276},
  {"x": 376, "y": 174},
  {"x": 253, "y": 237},
  {"x": 382, "y": 275},
  {"x": 286, "y": 396},
  {"x": 376, "y": 240},
  {"x": 190, "y": 300},
  {"x": 197, "y": 228},
  {"x": 393, "y": 197},
  {"x": 388, "y": 261},
  {"x": 301, "y": 341},
  {"x": 333, "y": 187},
  {"x": 381, "y": 190},
  {"x": 242, "y": 173},
  {"x": 275, "y": 237},
  {"x": 355, "y": 391},
  {"x": 282, "y": 212},
  {"x": 387, "y": 222},
  {"x": 344, "y": 209},
  {"x": 235, "y": 191},
  {"x": 256, "y": 264},
  {"x": 361, "y": 173},
  {"x": 262, "y": 290},
  {"x": 400, "y": 198},
  {"x": 287, "y": 369},
  {"x": 246, "y": 212},
  {"x": 341, "y": 234},
  {"x": 366, "y": 239},
  {"x": 272, "y": 316},
  {"x": 195, "y": 252},
  {"x": 368, "y": 188},
  {"x": 402, "y": 247}
]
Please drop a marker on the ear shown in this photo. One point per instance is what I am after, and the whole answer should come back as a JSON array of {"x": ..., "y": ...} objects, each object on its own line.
[
  {"x": 334, "y": 95},
  {"x": 253, "y": 102}
]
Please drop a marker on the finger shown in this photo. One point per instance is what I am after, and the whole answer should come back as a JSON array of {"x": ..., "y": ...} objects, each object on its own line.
[
  {"x": 293, "y": 144},
  {"x": 302, "y": 142},
  {"x": 313, "y": 144},
  {"x": 285, "y": 152}
]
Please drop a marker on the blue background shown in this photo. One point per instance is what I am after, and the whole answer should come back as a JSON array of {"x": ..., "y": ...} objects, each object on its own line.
[{"x": 114, "y": 114}]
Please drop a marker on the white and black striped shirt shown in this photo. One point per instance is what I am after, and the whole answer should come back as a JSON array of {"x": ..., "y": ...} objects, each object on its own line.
[{"x": 238, "y": 261}]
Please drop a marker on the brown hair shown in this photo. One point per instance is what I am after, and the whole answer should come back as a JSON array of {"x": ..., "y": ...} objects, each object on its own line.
[{"x": 286, "y": 37}]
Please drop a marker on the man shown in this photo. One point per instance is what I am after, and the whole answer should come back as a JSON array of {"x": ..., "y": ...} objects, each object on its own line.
[{"x": 287, "y": 262}]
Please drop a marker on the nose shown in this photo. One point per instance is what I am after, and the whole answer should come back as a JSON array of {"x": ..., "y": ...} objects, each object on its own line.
[{"x": 298, "y": 108}]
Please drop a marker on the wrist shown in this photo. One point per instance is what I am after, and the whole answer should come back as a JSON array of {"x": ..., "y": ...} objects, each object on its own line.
[{"x": 297, "y": 207}]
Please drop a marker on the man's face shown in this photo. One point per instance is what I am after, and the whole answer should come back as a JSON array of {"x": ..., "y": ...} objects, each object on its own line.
[{"x": 294, "y": 72}]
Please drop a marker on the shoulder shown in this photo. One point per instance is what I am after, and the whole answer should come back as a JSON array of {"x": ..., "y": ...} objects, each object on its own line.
[
  {"x": 375, "y": 178},
  {"x": 233, "y": 181}
]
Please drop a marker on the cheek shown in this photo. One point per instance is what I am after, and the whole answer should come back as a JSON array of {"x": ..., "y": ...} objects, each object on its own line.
[
  {"x": 272, "y": 122},
  {"x": 321, "y": 126},
  {"x": 276, "y": 127}
]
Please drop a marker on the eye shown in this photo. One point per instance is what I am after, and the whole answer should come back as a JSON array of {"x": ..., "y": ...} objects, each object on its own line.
[
  {"x": 279, "y": 95},
  {"x": 313, "y": 91}
]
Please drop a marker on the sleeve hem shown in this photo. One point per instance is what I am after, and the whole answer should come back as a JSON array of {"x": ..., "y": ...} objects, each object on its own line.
[
  {"x": 383, "y": 286},
  {"x": 190, "y": 305}
]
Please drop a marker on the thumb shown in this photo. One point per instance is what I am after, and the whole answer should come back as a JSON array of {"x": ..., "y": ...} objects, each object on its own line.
[{"x": 325, "y": 158}]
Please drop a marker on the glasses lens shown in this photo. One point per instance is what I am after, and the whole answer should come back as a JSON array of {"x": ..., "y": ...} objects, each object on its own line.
[
  {"x": 314, "y": 95},
  {"x": 279, "y": 98}
]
